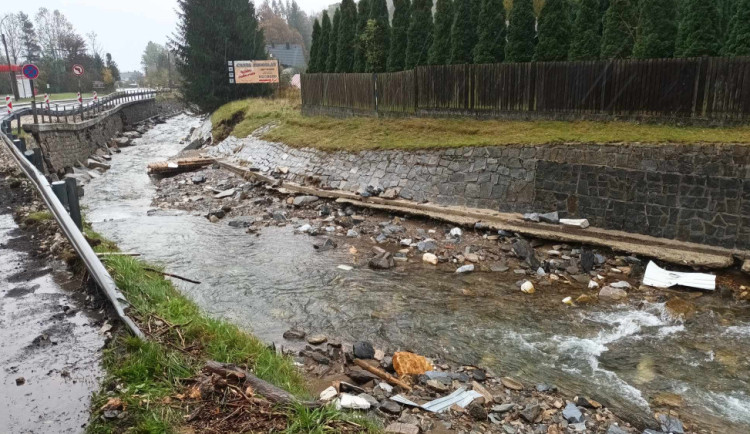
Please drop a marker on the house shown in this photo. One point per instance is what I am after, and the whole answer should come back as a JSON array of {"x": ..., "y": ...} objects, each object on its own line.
[{"x": 289, "y": 55}]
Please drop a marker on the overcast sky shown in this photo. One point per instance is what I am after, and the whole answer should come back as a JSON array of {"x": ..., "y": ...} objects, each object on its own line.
[{"x": 124, "y": 27}]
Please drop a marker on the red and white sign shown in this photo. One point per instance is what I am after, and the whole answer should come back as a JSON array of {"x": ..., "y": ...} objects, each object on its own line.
[
  {"x": 78, "y": 70},
  {"x": 80, "y": 98},
  {"x": 9, "y": 103},
  {"x": 46, "y": 100},
  {"x": 96, "y": 97}
]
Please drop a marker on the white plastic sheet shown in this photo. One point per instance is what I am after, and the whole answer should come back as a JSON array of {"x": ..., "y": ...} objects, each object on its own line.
[{"x": 661, "y": 278}]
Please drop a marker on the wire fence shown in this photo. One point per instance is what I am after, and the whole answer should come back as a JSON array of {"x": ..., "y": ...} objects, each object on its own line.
[{"x": 701, "y": 88}]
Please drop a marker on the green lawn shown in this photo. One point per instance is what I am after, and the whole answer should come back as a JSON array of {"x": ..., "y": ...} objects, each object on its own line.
[{"x": 241, "y": 118}]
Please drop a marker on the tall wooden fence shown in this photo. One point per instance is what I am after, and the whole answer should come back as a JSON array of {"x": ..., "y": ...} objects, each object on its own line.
[{"x": 709, "y": 88}]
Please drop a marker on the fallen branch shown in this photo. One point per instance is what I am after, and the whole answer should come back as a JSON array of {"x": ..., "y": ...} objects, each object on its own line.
[
  {"x": 108, "y": 254},
  {"x": 382, "y": 374},
  {"x": 171, "y": 275}
]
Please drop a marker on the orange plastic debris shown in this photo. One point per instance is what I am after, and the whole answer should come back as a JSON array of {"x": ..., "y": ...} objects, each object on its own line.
[{"x": 410, "y": 364}]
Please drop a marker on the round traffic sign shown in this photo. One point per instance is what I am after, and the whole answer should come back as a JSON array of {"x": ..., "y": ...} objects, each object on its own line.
[
  {"x": 30, "y": 71},
  {"x": 78, "y": 70}
]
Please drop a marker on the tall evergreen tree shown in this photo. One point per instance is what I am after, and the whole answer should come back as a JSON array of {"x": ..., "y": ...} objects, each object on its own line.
[
  {"x": 346, "y": 37},
  {"x": 521, "y": 32},
  {"x": 399, "y": 30},
  {"x": 490, "y": 46},
  {"x": 618, "y": 35},
  {"x": 363, "y": 13},
  {"x": 699, "y": 29},
  {"x": 586, "y": 42},
  {"x": 738, "y": 42},
  {"x": 554, "y": 32},
  {"x": 325, "y": 39},
  {"x": 30, "y": 48},
  {"x": 420, "y": 34},
  {"x": 208, "y": 34},
  {"x": 379, "y": 39},
  {"x": 333, "y": 42},
  {"x": 462, "y": 34},
  {"x": 727, "y": 10},
  {"x": 314, "y": 48},
  {"x": 440, "y": 48},
  {"x": 657, "y": 29}
]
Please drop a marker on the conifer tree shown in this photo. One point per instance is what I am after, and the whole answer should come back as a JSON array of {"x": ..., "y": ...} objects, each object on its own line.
[
  {"x": 440, "y": 49},
  {"x": 363, "y": 13},
  {"x": 420, "y": 34},
  {"x": 314, "y": 48},
  {"x": 699, "y": 29},
  {"x": 399, "y": 30},
  {"x": 210, "y": 33},
  {"x": 346, "y": 37},
  {"x": 490, "y": 46},
  {"x": 379, "y": 37},
  {"x": 554, "y": 32},
  {"x": 521, "y": 32},
  {"x": 333, "y": 42},
  {"x": 619, "y": 31},
  {"x": 462, "y": 34},
  {"x": 325, "y": 39},
  {"x": 657, "y": 29},
  {"x": 586, "y": 42},
  {"x": 738, "y": 42}
]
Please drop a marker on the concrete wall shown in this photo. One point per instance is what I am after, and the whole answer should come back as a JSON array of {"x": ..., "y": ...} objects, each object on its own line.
[{"x": 698, "y": 193}]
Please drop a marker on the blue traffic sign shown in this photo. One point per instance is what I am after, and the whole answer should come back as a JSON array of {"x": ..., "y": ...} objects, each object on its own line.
[{"x": 30, "y": 71}]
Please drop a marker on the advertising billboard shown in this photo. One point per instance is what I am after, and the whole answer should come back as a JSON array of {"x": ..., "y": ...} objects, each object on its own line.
[{"x": 254, "y": 71}]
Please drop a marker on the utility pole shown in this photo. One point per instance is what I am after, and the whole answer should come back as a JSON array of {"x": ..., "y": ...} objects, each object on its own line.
[
  {"x": 169, "y": 69},
  {"x": 13, "y": 85}
]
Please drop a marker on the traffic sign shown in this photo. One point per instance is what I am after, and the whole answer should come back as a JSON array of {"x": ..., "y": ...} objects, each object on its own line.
[
  {"x": 78, "y": 70},
  {"x": 30, "y": 71}
]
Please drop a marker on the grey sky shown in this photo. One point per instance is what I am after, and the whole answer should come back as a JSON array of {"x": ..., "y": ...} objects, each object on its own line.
[{"x": 124, "y": 27}]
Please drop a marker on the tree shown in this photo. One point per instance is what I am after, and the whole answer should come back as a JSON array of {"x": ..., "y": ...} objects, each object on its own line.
[
  {"x": 325, "y": 36},
  {"x": 157, "y": 64},
  {"x": 378, "y": 36},
  {"x": 210, "y": 33},
  {"x": 333, "y": 41},
  {"x": 13, "y": 31},
  {"x": 346, "y": 37},
  {"x": 441, "y": 39},
  {"x": 363, "y": 14},
  {"x": 275, "y": 28},
  {"x": 399, "y": 31},
  {"x": 586, "y": 42},
  {"x": 521, "y": 32},
  {"x": 699, "y": 29},
  {"x": 490, "y": 47},
  {"x": 420, "y": 34},
  {"x": 657, "y": 29},
  {"x": 299, "y": 21},
  {"x": 314, "y": 48},
  {"x": 112, "y": 66},
  {"x": 463, "y": 33},
  {"x": 554, "y": 32},
  {"x": 738, "y": 42},
  {"x": 619, "y": 31},
  {"x": 29, "y": 41}
]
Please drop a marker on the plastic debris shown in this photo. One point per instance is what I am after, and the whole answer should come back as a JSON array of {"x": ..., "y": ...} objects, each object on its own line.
[
  {"x": 460, "y": 397},
  {"x": 661, "y": 278},
  {"x": 579, "y": 223},
  {"x": 352, "y": 402},
  {"x": 405, "y": 363}
]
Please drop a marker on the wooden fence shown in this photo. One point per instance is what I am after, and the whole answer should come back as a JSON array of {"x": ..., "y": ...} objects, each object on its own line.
[{"x": 702, "y": 88}]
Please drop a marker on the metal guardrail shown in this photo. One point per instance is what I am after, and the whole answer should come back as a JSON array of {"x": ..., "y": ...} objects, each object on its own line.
[{"x": 71, "y": 231}]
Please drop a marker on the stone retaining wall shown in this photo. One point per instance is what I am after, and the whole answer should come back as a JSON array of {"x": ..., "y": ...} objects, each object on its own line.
[{"x": 697, "y": 193}]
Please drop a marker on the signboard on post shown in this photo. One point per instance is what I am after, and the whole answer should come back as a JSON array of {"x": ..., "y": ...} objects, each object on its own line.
[
  {"x": 30, "y": 71},
  {"x": 253, "y": 71},
  {"x": 78, "y": 70}
]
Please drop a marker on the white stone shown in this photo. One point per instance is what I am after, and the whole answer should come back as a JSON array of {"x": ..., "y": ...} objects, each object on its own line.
[
  {"x": 465, "y": 269},
  {"x": 430, "y": 258},
  {"x": 406, "y": 242},
  {"x": 328, "y": 394},
  {"x": 528, "y": 287},
  {"x": 593, "y": 285},
  {"x": 345, "y": 268},
  {"x": 352, "y": 402},
  {"x": 456, "y": 232},
  {"x": 579, "y": 223},
  {"x": 620, "y": 285},
  {"x": 304, "y": 228},
  {"x": 568, "y": 301}
]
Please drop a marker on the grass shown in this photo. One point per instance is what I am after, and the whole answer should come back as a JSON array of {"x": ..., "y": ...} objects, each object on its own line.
[
  {"x": 37, "y": 217},
  {"x": 241, "y": 118},
  {"x": 146, "y": 375}
]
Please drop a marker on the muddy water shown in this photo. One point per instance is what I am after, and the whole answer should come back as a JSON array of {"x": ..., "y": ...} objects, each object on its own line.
[
  {"x": 44, "y": 339},
  {"x": 621, "y": 355}
]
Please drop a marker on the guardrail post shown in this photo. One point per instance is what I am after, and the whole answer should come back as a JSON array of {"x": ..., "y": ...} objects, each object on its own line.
[
  {"x": 18, "y": 130},
  {"x": 61, "y": 191},
  {"x": 73, "y": 205},
  {"x": 20, "y": 144}
]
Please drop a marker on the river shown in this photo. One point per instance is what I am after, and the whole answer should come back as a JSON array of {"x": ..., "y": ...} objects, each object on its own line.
[{"x": 621, "y": 355}]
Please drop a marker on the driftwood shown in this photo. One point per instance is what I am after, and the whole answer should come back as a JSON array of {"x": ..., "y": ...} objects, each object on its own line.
[
  {"x": 108, "y": 254},
  {"x": 259, "y": 387},
  {"x": 382, "y": 374},
  {"x": 172, "y": 275}
]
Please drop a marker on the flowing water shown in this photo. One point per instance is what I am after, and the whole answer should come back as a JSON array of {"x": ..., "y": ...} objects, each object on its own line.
[{"x": 621, "y": 355}]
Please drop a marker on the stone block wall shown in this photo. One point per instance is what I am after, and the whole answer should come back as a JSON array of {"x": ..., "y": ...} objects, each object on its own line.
[{"x": 697, "y": 193}]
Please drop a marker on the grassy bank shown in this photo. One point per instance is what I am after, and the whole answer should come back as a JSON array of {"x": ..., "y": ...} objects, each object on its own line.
[
  {"x": 153, "y": 381},
  {"x": 241, "y": 118}
]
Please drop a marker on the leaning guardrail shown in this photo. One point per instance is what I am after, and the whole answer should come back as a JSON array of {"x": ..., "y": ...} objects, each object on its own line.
[{"x": 71, "y": 231}]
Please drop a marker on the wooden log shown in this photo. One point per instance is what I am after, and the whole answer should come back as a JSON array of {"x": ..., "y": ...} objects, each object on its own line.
[
  {"x": 172, "y": 275},
  {"x": 382, "y": 374}
]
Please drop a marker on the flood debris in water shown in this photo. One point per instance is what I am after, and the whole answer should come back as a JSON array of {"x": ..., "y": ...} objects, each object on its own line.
[{"x": 660, "y": 278}]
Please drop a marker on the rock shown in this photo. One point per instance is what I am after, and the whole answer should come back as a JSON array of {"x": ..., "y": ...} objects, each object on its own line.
[
  {"x": 390, "y": 193},
  {"x": 213, "y": 219},
  {"x": 572, "y": 414},
  {"x": 499, "y": 268},
  {"x": 240, "y": 224},
  {"x": 20, "y": 381},
  {"x": 476, "y": 410},
  {"x": 305, "y": 200},
  {"x": 360, "y": 376},
  {"x": 430, "y": 258},
  {"x": 503, "y": 408},
  {"x": 371, "y": 191},
  {"x": 531, "y": 412},
  {"x": 465, "y": 269},
  {"x": 568, "y": 301},
  {"x": 353, "y": 402},
  {"x": 523, "y": 250},
  {"x": 294, "y": 335},
  {"x": 428, "y": 245},
  {"x": 582, "y": 401},
  {"x": 579, "y": 223},
  {"x": 437, "y": 386},
  {"x": 121, "y": 142},
  {"x": 680, "y": 309},
  {"x": 382, "y": 261},
  {"x": 328, "y": 244},
  {"x": 621, "y": 285},
  {"x": 390, "y": 407},
  {"x": 456, "y": 232},
  {"x": 546, "y": 388},
  {"x": 528, "y": 288},
  {"x": 351, "y": 233},
  {"x": 406, "y": 242},
  {"x": 373, "y": 402},
  {"x": 304, "y": 228},
  {"x": 328, "y": 394},
  {"x": 614, "y": 429},
  {"x": 93, "y": 164},
  {"x": 593, "y": 285},
  {"x": 612, "y": 294},
  {"x": 479, "y": 375},
  {"x": 666, "y": 399},
  {"x": 531, "y": 217},
  {"x": 587, "y": 260},
  {"x": 317, "y": 339},
  {"x": 482, "y": 391},
  {"x": 472, "y": 257},
  {"x": 511, "y": 384},
  {"x": 364, "y": 350},
  {"x": 550, "y": 217},
  {"x": 671, "y": 424},
  {"x": 402, "y": 428},
  {"x": 746, "y": 266},
  {"x": 226, "y": 193}
]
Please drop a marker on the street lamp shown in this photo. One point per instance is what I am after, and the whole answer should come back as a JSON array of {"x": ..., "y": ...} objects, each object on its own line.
[{"x": 13, "y": 86}]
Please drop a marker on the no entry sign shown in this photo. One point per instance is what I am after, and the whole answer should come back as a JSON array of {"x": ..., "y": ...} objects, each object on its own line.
[
  {"x": 78, "y": 70},
  {"x": 30, "y": 71}
]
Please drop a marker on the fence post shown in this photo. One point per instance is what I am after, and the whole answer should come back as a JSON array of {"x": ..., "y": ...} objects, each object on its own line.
[
  {"x": 61, "y": 191},
  {"x": 699, "y": 97},
  {"x": 416, "y": 91},
  {"x": 73, "y": 205},
  {"x": 375, "y": 89}
]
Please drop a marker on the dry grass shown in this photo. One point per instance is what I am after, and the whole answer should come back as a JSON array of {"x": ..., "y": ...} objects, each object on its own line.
[{"x": 241, "y": 118}]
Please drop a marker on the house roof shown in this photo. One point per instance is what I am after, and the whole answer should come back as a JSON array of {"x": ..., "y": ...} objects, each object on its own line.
[{"x": 289, "y": 55}]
